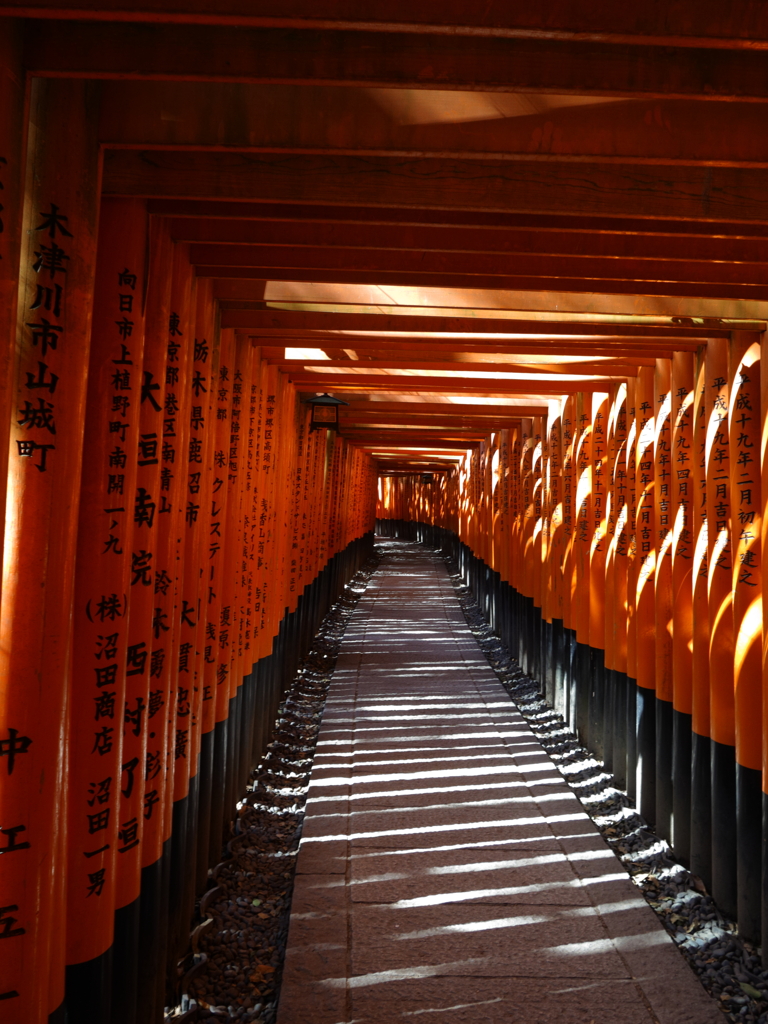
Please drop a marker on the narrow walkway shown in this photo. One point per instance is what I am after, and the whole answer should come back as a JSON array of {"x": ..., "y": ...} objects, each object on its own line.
[{"x": 446, "y": 872}]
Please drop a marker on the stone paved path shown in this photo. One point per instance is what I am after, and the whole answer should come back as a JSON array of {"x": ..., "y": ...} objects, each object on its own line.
[{"x": 446, "y": 872}]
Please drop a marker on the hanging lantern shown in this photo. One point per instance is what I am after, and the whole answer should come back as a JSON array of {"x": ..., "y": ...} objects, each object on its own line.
[{"x": 325, "y": 412}]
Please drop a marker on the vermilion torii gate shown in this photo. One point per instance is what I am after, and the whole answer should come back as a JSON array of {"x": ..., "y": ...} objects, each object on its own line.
[{"x": 528, "y": 248}]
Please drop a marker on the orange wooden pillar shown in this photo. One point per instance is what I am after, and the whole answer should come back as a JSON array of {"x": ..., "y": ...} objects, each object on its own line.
[
  {"x": 764, "y": 673},
  {"x": 45, "y": 456},
  {"x": 570, "y": 485},
  {"x": 721, "y": 660},
  {"x": 154, "y": 474},
  {"x": 746, "y": 515},
  {"x": 217, "y": 639},
  {"x": 546, "y": 677},
  {"x": 600, "y": 697},
  {"x": 236, "y": 473},
  {"x": 536, "y": 547},
  {"x": 193, "y": 699},
  {"x": 616, "y": 585},
  {"x": 701, "y": 773},
  {"x": 633, "y": 557},
  {"x": 683, "y": 546},
  {"x": 556, "y": 544},
  {"x": 514, "y": 527},
  {"x": 119, "y": 305},
  {"x": 581, "y": 551},
  {"x": 504, "y": 495},
  {"x": 104, "y": 827},
  {"x": 663, "y": 592},
  {"x": 179, "y": 627},
  {"x": 525, "y": 585},
  {"x": 645, "y": 612},
  {"x": 11, "y": 186},
  {"x": 260, "y": 666},
  {"x": 248, "y": 409}
]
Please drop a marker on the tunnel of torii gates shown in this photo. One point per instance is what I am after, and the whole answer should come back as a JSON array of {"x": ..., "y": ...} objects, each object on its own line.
[{"x": 527, "y": 245}]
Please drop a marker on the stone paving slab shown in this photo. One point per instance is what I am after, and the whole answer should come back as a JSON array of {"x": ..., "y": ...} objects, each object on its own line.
[{"x": 447, "y": 874}]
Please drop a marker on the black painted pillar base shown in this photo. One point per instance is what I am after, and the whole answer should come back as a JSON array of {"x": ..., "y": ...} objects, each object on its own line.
[
  {"x": 125, "y": 963},
  {"x": 177, "y": 918},
  {"x": 205, "y": 775},
  {"x": 595, "y": 662},
  {"x": 619, "y": 752},
  {"x": 572, "y": 666},
  {"x": 724, "y": 857},
  {"x": 153, "y": 937},
  {"x": 701, "y": 808},
  {"x": 631, "y": 734},
  {"x": 749, "y": 838},
  {"x": 664, "y": 775},
  {"x": 609, "y": 700},
  {"x": 682, "y": 736},
  {"x": 645, "y": 772},
  {"x": 558, "y": 666},
  {"x": 581, "y": 691},
  {"x": 88, "y": 990},
  {"x": 217, "y": 792}
]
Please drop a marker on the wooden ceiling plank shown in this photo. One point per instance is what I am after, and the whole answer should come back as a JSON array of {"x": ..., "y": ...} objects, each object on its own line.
[
  {"x": 468, "y": 281},
  {"x": 408, "y": 322},
  {"x": 437, "y": 408},
  {"x": 275, "y": 236},
  {"x": 391, "y": 383},
  {"x": 476, "y": 360},
  {"x": 422, "y": 366},
  {"x": 396, "y": 59},
  {"x": 336, "y": 119},
  {"x": 619, "y": 348},
  {"x": 689, "y": 193},
  {"x": 741, "y": 24},
  {"x": 293, "y": 212},
  {"x": 382, "y": 261}
]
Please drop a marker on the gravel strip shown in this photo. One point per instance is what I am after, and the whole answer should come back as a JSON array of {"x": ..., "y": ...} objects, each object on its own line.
[
  {"x": 235, "y": 965},
  {"x": 729, "y": 968}
]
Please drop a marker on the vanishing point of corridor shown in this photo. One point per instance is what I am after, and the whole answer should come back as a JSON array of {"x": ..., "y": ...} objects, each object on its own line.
[{"x": 446, "y": 871}]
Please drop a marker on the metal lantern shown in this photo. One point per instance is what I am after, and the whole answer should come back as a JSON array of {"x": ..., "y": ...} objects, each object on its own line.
[{"x": 325, "y": 412}]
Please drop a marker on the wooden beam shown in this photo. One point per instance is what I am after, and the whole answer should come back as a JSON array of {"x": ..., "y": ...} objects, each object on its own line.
[
  {"x": 225, "y": 238},
  {"x": 390, "y": 469},
  {"x": 470, "y": 358},
  {"x": 273, "y": 319},
  {"x": 662, "y": 272},
  {"x": 288, "y": 212},
  {"x": 382, "y": 438},
  {"x": 742, "y": 24},
  {"x": 688, "y": 193},
  {"x": 395, "y": 421},
  {"x": 439, "y": 347},
  {"x": 444, "y": 408},
  {"x": 589, "y": 369},
  {"x": 457, "y": 427},
  {"x": 335, "y": 119},
  {"x": 448, "y": 385},
  {"x": 644, "y": 355},
  {"x": 406, "y": 278},
  {"x": 396, "y": 59}
]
